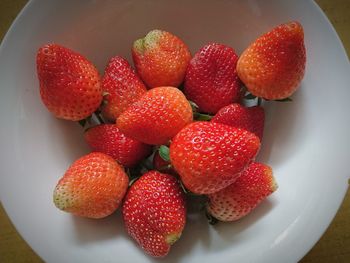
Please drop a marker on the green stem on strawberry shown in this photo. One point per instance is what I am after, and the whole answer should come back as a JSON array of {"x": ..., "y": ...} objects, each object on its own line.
[
  {"x": 99, "y": 117},
  {"x": 259, "y": 101},
  {"x": 164, "y": 153},
  {"x": 285, "y": 100},
  {"x": 82, "y": 122},
  {"x": 211, "y": 220},
  {"x": 202, "y": 117},
  {"x": 133, "y": 180}
]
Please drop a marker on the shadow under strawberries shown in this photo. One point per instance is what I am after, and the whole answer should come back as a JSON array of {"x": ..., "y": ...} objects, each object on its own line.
[
  {"x": 285, "y": 128},
  {"x": 231, "y": 232},
  {"x": 92, "y": 230}
]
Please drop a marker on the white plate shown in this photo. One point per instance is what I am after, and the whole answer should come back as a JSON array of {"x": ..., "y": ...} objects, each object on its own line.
[{"x": 306, "y": 141}]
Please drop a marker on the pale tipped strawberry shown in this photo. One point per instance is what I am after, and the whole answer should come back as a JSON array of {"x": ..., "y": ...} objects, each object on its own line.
[
  {"x": 69, "y": 83},
  {"x": 161, "y": 59},
  {"x": 273, "y": 66},
  {"x": 93, "y": 186},
  {"x": 157, "y": 116},
  {"x": 250, "y": 118},
  {"x": 209, "y": 156},
  {"x": 122, "y": 86},
  {"x": 154, "y": 212},
  {"x": 108, "y": 139},
  {"x": 240, "y": 198},
  {"x": 211, "y": 79}
]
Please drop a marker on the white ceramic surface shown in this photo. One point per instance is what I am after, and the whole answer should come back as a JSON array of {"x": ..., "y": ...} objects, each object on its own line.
[{"x": 306, "y": 141}]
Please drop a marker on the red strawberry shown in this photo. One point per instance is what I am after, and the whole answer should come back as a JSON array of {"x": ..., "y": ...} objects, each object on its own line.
[
  {"x": 211, "y": 80},
  {"x": 157, "y": 117},
  {"x": 161, "y": 59},
  {"x": 123, "y": 86},
  {"x": 93, "y": 186},
  {"x": 241, "y": 197},
  {"x": 108, "y": 139},
  {"x": 69, "y": 83},
  {"x": 154, "y": 212},
  {"x": 209, "y": 156},
  {"x": 252, "y": 119},
  {"x": 273, "y": 66}
]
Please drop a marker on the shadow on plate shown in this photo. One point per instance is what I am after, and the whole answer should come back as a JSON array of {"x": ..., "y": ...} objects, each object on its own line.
[
  {"x": 92, "y": 230},
  {"x": 283, "y": 135},
  {"x": 229, "y": 232}
]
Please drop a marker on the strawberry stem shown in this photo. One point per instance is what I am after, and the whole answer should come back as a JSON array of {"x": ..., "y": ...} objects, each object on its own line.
[
  {"x": 259, "y": 101},
  {"x": 211, "y": 220},
  {"x": 164, "y": 153},
  {"x": 202, "y": 117}
]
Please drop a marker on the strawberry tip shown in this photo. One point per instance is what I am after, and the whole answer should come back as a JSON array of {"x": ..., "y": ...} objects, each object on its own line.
[
  {"x": 274, "y": 185},
  {"x": 139, "y": 45},
  {"x": 172, "y": 238}
]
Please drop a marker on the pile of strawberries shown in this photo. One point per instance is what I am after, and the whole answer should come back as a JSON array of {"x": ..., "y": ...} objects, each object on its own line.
[{"x": 175, "y": 125}]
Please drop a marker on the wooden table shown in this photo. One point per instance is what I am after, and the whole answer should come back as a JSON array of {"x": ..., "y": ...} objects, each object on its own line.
[{"x": 334, "y": 246}]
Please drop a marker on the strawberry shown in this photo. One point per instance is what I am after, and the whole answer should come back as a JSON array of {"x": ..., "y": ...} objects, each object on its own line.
[
  {"x": 108, "y": 139},
  {"x": 157, "y": 116},
  {"x": 69, "y": 83},
  {"x": 211, "y": 80},
  {"x": 93, "y": 186},
  {"x": 241, "y": 197},
  {"x": 273, "y": 66},
  {"x": 122, "y": 85},
  {"x": 154, "y": 212},
  {"x": 252, "y": 119},
  {"x": 161, "y": 59},
  {"x": 209, "y": 156}
]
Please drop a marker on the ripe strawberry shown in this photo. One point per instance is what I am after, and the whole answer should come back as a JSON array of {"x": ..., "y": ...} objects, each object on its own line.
[
  {"x": 273, "y": 66},
  {"x": 241, "y": 197},
  {"x": 93, "y": 186},
  {"x": 211, "y": 80},
  {"x": 108, "y": 139},
  {"x": 161, "y": 59},
  {"x": 209, "y": 156},
  {"x": 154, "y": 212},
  {"x": 123, "y": 86},
  {"x": 69, "y": 83},
  {"x": 252, "y": 119},
  {"x": 158, "y": 116}
]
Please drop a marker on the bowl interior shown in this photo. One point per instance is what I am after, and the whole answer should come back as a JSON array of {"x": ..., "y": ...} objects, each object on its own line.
[{"x": 40, "y": 148}]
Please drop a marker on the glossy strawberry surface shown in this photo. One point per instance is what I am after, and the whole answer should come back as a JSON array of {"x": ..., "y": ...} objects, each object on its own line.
[
  {"x": 108, "y": 139},
  {"x": 240, "y": 198},
  {"x": 122, "y": 86},
  {"x": 154, "y": 212},
  {"x": 161, "y": 59},
  {"x": 93, "y": 186},
  {"x": 69, "y": 84},
  {"x": 157, "y": 116},
  {"x": 211, "y": 80},
  {"x": 273, "y": 66},
  {"x": 250, "y": 118},
  {"x": 209, "y": 156}
]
